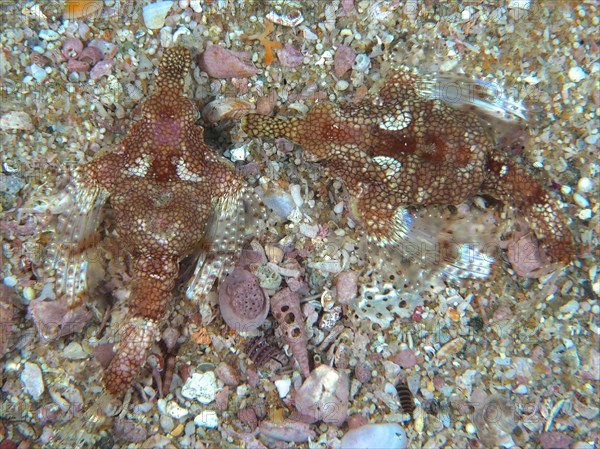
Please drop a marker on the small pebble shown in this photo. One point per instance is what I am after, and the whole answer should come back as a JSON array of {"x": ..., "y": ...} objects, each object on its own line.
[
  {"x": 108, "y": 49},
  {"x": 555, "y": 440},
  {"x": 228, "y": 374},
  {"x": 363, "y": 372},
  {"x": 406, "y": 358},
  {"x": 174, "y": 410},
  {"x": 190, "y": 428},
  {"x": 90, "y": 55},
  {"x": 201, "y": 386},
  {"x": 72, "y": 47},
  {"x": 390, "y": 436},
  {"x": 38, "y": 73},
  {"x": 48, "y": 35},
  {"x": 576, "y": 74},
  {"x": 74, "y": 351},
  {"x": 585, "y": 214},
  {"x": 296, "y": 193},
  {"x": 283, "y": 387},
  {"x": 207, "y": 418},
  {"x": 10, "y": 281},
  {"x": 346, "y": 286},
  {"x": 342, "y": 85},
  {"x": 356, "y": 421},
  {"x": 592, "y": 139},
  {"x": 570, "y": 307},
  {"x": 248, "y": 416},
  {"x": 309, "y": 231},
  {"x": 32, "y": 380},
  {"x": 196, "y": 5},
  {"x": 166, "y": 423},
  {"x": 28, "y": 293},
  {"x": 289, "y": 56},
  {"x": 581, "y": 200},
  {"x": 521, "y": 389},
  {"x": 16, "y": 120},
  {"x": 585, "y": 185}
]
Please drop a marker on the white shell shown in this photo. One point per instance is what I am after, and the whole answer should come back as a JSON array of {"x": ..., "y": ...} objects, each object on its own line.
[
  {"x": 293, "y": 19},
  {"x": 155, "y": 14},
  {"x": 390, "y": 436},
  {"x": 201, "y": 386}
]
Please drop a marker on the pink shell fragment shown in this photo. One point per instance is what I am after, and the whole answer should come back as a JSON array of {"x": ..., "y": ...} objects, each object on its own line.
[
  {"x": 75, "y": 65},
  {"x": 346, "y": 286},
  {"x": 288, "y": 430},
  {"x": 108, "y": 49},
  {"x": 72, "y": 47},
  {"x": 220, "y": 62},
  {"x": 91, "y": 55},
  {"x": 243, "y": 303},
  {"x": 54, "y": 319},
  {"x": 289, "y": 56},
  {"x": 405, "y": 359},
  {"x": 343, "y": 60},
  {"x": 6, "y": 317},
  {"x": 555, "y": 440},
  {"x": 102, "y": 68},
  {"x": 526, "y": 257}
]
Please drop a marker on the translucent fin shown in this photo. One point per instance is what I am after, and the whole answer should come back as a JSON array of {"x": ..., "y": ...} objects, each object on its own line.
[
  {"x": 462, "y": 92},
  {"x": 449, "y": 244},
  {"x": 76, "y": 239},
  {"x": 235, "y": 216}
]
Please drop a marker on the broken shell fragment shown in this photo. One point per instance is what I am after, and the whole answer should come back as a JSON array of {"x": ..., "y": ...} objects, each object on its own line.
[
  {"x": 286, "y": 309},
  {"x": 495, "y": 421},
  {"x": 324, "y": 396},
  {"x": 219, "y": 62},
  {"x": 72, "y": 47},
  {"x": 243, "y": 303},
  {"x": 287, "y": 430},
  {"x": 293, "y": 19},
  {"x": 226, "y": 109},
  {"x": 16, "y": 120},
  {"x": 387, "y": 435}
]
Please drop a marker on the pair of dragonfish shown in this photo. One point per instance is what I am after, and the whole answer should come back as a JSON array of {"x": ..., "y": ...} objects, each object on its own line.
[{"x": 172, "y": 196}]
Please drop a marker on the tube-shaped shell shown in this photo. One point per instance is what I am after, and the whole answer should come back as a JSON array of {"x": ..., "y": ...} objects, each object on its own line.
[{"x": 286, "y": 310}]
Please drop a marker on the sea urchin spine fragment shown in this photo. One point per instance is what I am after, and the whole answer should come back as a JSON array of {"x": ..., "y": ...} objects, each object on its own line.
[{"x": 285, "y": 305}]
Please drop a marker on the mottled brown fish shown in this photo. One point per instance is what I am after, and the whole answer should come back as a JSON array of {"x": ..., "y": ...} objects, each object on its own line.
[
  {"x": 171, "y": 197},
  {"x": 401, "y": 148}
]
